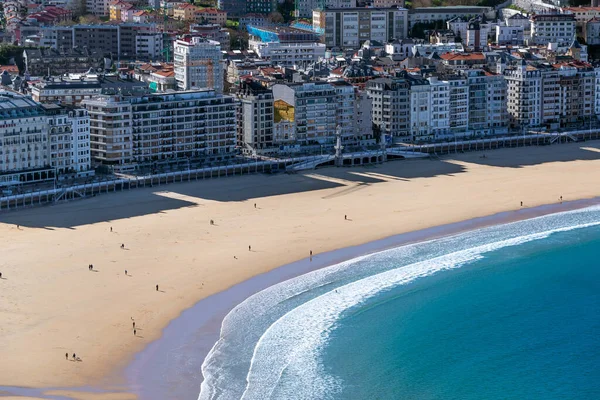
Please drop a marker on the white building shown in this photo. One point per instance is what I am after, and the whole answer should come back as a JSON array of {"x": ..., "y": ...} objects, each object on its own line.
[
  {"x": 345, "y": 116},
  {"x": 351, "y": 27},
  {"x": 420, "y": 110},
  {"x": 288, "y": 54},
  {"x": 23, "y": 136},
  {"x": 459, "y": 105},
  {"x": 553, "y": 28},
  {"x": 524, "y": 92},
  {"x": 69, "y": 137},
  {"x": 509, "y": 35},
  {"x": 440, "y": 107},
  {"x": 198, "y": 64},
  {"x": 149, "y": 45},
  {"x": 582, "y": 14}
]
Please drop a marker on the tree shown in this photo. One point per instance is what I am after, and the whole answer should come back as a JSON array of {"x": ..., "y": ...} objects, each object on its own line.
[
  {"x": 276, "y": 17},
  {"x": 89, "y": 19}
]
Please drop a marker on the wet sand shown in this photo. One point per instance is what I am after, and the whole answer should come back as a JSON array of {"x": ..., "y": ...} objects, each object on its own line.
[{"x": 50, "y": 303}]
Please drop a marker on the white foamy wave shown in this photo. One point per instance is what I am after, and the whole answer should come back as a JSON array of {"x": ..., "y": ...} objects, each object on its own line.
[
  {"x": 269, "y": 343},
  {"x": 291, "y": 345}
]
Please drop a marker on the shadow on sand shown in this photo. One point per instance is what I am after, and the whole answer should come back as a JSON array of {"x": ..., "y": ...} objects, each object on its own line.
[{"x": 140, "y": 202}]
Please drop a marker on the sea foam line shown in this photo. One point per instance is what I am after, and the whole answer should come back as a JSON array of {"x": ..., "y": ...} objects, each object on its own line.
[
  {"x": 292, "y": 344},
  {"x": 229, "y": 361}
]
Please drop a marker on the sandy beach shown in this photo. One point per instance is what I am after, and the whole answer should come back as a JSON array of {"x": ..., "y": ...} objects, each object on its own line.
[{"x": 52, "y": 304}]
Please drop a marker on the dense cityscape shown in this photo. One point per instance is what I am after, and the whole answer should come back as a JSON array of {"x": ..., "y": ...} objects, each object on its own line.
[{"x": 103, "y": 86}]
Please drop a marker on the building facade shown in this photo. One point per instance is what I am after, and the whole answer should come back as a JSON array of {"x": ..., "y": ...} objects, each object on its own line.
[
  {"x": 553, "y": 28},
  {"x": 390, "y": 107},
  {"x": 350, "y": 27},
  {"x": 198, "y": 64},
  {"x": 255, "y": 119},
  {"x": 289, "y": 54}
]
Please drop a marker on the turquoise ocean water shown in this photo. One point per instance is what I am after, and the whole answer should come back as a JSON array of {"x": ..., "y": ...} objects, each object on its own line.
[{"x": 506, "y": 312}]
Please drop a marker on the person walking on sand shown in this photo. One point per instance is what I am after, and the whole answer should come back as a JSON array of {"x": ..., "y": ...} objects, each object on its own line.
[
  {"x": 0, "y": 275},
  {"x": 133, "y": 324},
  {"x": 345, "y": 217},
  {"x": 122, "y": 245},
  {"x": 67, "y": 356},
  {"x": 111, "y": 228},
  {"x": 212, "y": 222},
  {"x": 249, "y": 248},
  {"x": 74, "y": 356},
  {"x": 134, "y": 332},
  {"x": 157, "y": 288},
  {"x": 254, "y": 205},
  {"x": 521, "y": 204},
  {"x": 125, "y": 272}
]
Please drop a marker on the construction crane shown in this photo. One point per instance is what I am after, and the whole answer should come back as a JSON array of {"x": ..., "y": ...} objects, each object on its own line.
[{"x": 166, "y": 46}]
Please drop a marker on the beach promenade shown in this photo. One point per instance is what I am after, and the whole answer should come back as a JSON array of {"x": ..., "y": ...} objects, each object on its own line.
[{"x": 52, "y": 304}]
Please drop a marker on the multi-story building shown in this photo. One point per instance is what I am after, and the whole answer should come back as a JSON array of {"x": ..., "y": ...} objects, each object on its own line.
[
  {"x": 434, "y": 14},
  {"x": 185, "y": 12},
  {"x": 582, "y": 14},
  {"x": 390, "y": 107},
  {"x": 110, "y": 131},
  {"x": 487, "y": 102},
  {"x": 255, "y": 118},
  {"x": 315, "y": 111},
  {"x": 519, "y": 19},
  {"x": 524, "y": 93},
  {"x": 289, "y": 54},
  {"x": 388, "y": 3},
  {"x": 23, "y": 139},
  {"x": 345, "y": 117},
  {"x": 462, "y": 61},
  {"x": 509, "y": 35},
  {"x": 363, "y": 106},
  {"x": 44, "y": 62},
  {"x": 39, "y": 142},
  {"x": 591, "y": 31},
  {"x": 351, "y": 27},
  {"x": 193, "y": 124},
  {"x": 73, "y": 89},
  {"x": 69, "y": 139},
  {"x": 149, "y": 45},
  {"x": 577, "y": 88},
  {"x": 553, "y": 28},
  {"x": 234, "y": 8},
  {"x": 213, "y": 32},
  {"x": 211, "y": 16},
  {"x": 99, "y": 8},
  {"x": 118, "y": 40},
  {"x": 305, "y": 8},
  {"x": 198, "y": 64},
  {"x": 459, "y": 105}
]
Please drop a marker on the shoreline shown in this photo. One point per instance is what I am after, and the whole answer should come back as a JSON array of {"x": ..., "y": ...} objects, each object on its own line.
[
  {"x": 199, "y": 326},
  {"x": 57, "y": 305},
  {"x": 206, "y": 316}
]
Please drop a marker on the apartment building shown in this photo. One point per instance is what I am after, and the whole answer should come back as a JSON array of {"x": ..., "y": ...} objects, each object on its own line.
[
  {"x": 510, "y": 35},
  {"x": 315, "y": 108},
  {"x": 192, "y": 124},
  {"x": 390, "y": 107},
  {"x": 591, "y": 31},
  {"x": 487, "y": 102},
  {"x": 120, "y": 40},
  {"x": 74, "y": 88},
  {"x": 198, "y": 64},
  {"x": 349, "y": 28},
  {"x": 130, "y": 131},
  {"x": 577, "y": 87},
  {"x": 255, "y": 118},
  {"x": 23, "y": 138},
  {"x": 363, "y": 106},
  {"x": 211, "y": 16},
  {"x": 288, "y": 54},
  {"x": 69, "y": 139},
  {"x": 582, "y": 14},
  {"x": 553, "y": 28},
  {"x": 524, "y": 91},
  {"x": 433, "y": 14},
  {"x": 38, "y": 141},
  {"x": 345, "y": 117},
  {"x": 99, "y": 8},
  {"x": 149, "y": 45},
  {"x": 111, "y": 133},
  {"x": 459, "y": 104}
]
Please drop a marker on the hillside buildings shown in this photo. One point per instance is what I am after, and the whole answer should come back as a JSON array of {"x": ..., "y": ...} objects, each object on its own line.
[{"x": 553, "y": 28}]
